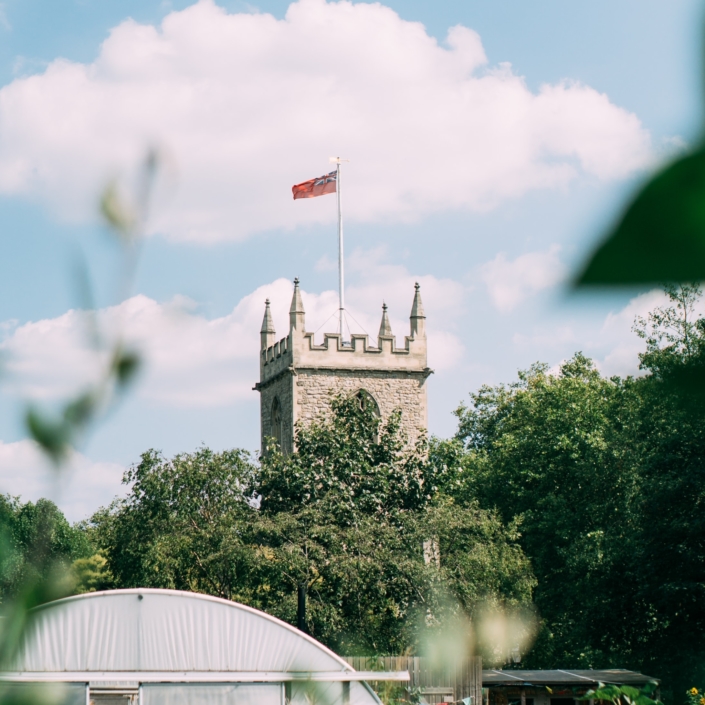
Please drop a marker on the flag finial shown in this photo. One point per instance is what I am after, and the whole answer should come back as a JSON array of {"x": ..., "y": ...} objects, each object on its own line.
[{"x": 385, "y": 328}]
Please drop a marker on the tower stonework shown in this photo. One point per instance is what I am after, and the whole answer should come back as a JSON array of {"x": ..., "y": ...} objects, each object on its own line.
[{"x": 298, "y": 378}]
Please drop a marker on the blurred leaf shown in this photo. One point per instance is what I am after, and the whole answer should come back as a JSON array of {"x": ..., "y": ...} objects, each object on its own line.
[
  {"x": 118, "y": 214},
  {"x": 52, "y": 583},
  {"x": 126, "y": 366},
  {"x": 661, "y": 237},
  {"x": 33, "y": 693},
  {"x": 78, "y": 412},
  {"x": 51, "y": 435}
]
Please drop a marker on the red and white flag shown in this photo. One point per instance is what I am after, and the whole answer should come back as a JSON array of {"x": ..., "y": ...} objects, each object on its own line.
[{"x": 315, "y": 187}]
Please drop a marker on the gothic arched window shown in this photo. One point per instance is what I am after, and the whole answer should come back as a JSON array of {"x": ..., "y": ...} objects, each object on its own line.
[
  {"x": 366, "y": 401},
  {"x": 277, "y": 421}
]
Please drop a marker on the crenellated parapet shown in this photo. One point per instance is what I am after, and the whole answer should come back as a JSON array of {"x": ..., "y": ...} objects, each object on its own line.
[{"x": 296, "y": 373}]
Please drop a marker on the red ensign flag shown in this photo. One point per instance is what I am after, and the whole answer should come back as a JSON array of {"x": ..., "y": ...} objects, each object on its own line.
[{"x": 315, "y": 187}]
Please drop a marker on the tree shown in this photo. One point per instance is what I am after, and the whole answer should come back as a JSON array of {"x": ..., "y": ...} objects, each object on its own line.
[
  {"x": 674, "y": 334},
  {"x": 672, "y": 468},
  {"x": 607, "y": 477},
  {"x": 36, "y": 542},
  {"x": 346, "y": 515},
  {"x": 551, "y": 451},
  {"x": 180, "y": 526}
]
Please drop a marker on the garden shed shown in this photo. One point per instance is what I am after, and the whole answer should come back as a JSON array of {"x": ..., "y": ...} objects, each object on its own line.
[
  {"x": 153, "y": 647},
  {"x": 552, "y": 687}
]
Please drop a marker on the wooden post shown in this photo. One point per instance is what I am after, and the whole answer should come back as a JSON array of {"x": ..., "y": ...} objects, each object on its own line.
[{"x": 301, "y": 608}]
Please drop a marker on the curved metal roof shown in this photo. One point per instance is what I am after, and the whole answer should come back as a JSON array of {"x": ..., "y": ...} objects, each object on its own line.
[{"x": 165, "y": 630}]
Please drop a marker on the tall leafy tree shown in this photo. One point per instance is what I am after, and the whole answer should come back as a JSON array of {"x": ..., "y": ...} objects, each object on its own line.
[
  {"x": 607, "y": 477},
  {"x": 550, "y": 451},
  {"x": 671, "y": 546}
]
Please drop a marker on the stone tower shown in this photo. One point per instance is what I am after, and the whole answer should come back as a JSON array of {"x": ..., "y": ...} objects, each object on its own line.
[{"x": 297, "y": 377}]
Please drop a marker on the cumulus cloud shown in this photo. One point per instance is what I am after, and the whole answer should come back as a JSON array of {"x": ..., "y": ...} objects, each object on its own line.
[
  {"x": 610, "y": 342},
  {"x": 509, "y": 282},
  {"x": 79, "y": 490},
  {"x": 622, "y": 344},
  {"x": 546, "y": 337},
  {"x": 248, "y": 105},
  {"x": 194, "y": 361}
]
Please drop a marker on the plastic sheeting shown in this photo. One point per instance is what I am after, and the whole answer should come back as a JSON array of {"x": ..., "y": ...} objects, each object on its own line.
[
  {"x": 330, "y": 694},
  {"x": 252, "y": 694},
  {"x": 164, "y": 630},
  {"x": 54, "y": 693},
  {"x": 213, "y": 694}
]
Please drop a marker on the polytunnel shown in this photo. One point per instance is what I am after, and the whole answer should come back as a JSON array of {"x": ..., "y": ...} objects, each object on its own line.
[{"x": 153, "y": 647}]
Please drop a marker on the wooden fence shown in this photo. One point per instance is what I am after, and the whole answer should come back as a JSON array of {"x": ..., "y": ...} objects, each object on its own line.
[{"x": 437, "y": 684}]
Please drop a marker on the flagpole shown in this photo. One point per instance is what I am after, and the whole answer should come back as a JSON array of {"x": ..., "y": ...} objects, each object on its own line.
[{"x": 341, "y": 269}]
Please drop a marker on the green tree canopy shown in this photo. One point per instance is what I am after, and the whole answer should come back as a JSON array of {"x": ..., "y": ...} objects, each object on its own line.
[
  {"x": 607, "y": 477},
  {"x": 346, "y": 515},
  {"x": 35, "y": 542},
  {"x": 348, "y": 464},
  {"x": 551, "y": 451},
  {"x": 181, "y": 524}
]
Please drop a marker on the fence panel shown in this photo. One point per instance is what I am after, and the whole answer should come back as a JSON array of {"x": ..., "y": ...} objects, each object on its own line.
[{"x": 437, "y": 684}]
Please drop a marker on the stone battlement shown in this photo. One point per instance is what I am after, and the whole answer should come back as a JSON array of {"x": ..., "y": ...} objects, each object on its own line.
[{"x": 358, "y": 353}]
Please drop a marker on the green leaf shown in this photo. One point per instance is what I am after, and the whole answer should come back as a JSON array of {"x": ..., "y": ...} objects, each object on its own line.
[
  {"x": 661, "y": 237},
  {"x": 630, "y": 692},
  {"x": 610, "y": 693},
  {"x": 649, "y": 688}
]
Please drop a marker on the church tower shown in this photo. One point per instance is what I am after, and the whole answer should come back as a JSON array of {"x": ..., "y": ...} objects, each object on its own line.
[{"x": 298, "y": 377}]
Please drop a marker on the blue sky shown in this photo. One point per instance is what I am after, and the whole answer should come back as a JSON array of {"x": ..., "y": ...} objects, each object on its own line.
[{"x": 484, "y": 163}]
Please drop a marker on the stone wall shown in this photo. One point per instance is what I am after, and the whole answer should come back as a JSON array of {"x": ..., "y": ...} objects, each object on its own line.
[
  {"x": 390, "y": 389},
  {"x": 280, "y": 388}
]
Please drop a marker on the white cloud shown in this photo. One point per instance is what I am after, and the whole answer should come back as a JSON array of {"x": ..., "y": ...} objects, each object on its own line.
[
  {"x": 194, "y": 361},
  {"x": 249, "y": 105},
  {"x": 79, "y": 490},
  {"x": 377, "y": 281},
  {"x": 612, "y": 344},
  {"x": 509, "y": 282},
  {"x": 617, "y": 337},
  {"x": 616, "y": 332},
  {"x": 546, "y": 337}
]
